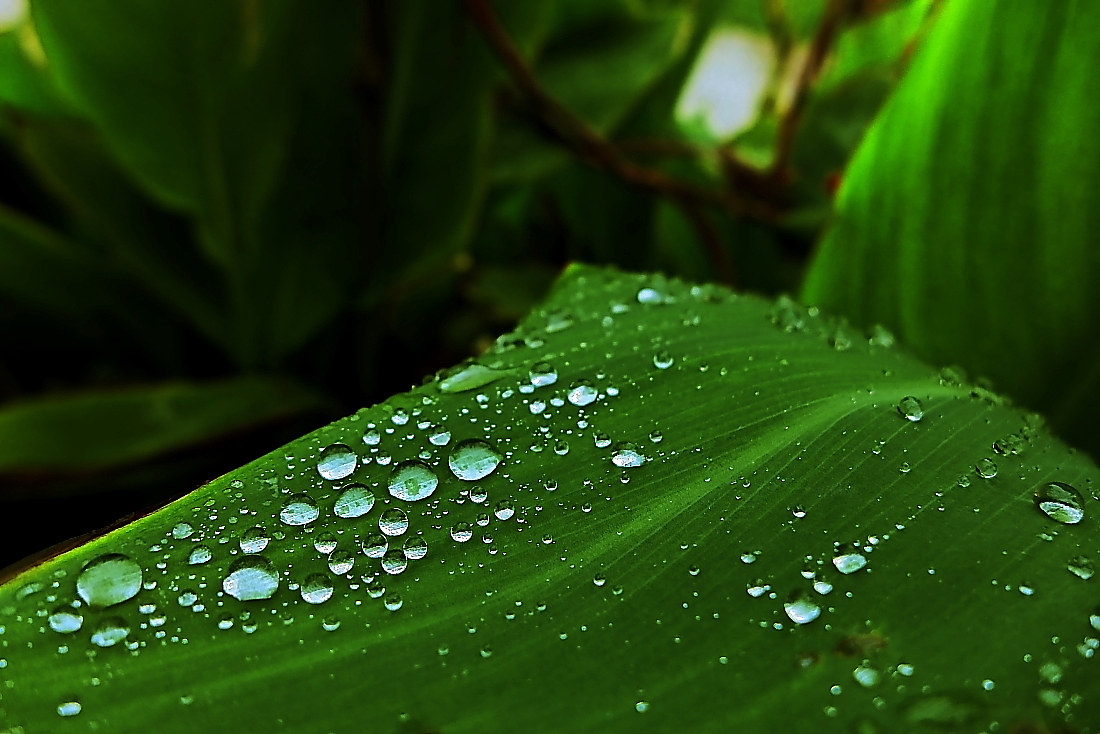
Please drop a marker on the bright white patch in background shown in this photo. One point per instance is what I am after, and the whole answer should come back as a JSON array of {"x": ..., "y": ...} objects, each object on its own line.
[
  {"x": 11, "y": 12},
  {"x": 722, "y": 96}
]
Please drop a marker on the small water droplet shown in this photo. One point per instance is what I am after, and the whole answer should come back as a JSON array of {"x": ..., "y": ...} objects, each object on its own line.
[
  {"x": 337, "y": 461},
  {"x": 582, "y": 393},
  {"x": 65, "y": 620},
  {"x": 656, "y": 436},
  {"x": 110, "y": 631},
  {"x": 849, "y": 560},
  {"x": 602, "y": 440},
  {"x": 187, "y": 598},
  {"x": 400, "y": 416},
  {"x": 821, "y": 586},
  {"x": 758, "y": 589},
  {"x": 1081, "y": 567},
  {"x": 1026, "y": 588},
  {"x": 251, "y": 577},
  {"x": 468, "y": 377},
  {"x": 599, "y": 579},
  {"x": 415, "y": 549},
  {"x": 748, "y": 558},
  {"x": 801, "y": 608},
  {"x": 394, "y": 561},
  {"x": 330, "y": 623},
  {"x": 372, "y": 437},
  {"x": 199, "y": 554},
  {"x": 504, "y": 510},
  {"x": 299, "y": 509},
  {"x": 650, "y": 296},
  {"x": 182, "y": 530},
  {"x": 662, "y": 360},
  {"x": 254, "y": 540},
  {"x": 355, "y": 500},
  {"x": 412, "y": 481},
  {"x": 393, "y": 521},
  {"x": 439, "y": 436},
  {"x": 867, "y": 676},
  {"x": 1060, "y": 502},
  {"x": 341, "y": 562},
  {"x": 627, "y": 454},
  {"x": 108, "y": 580},
  {"x": 561, "y": 447},
  {"x": 375, "y": 545},
  {"x": 986, "y": 468},
  {"x": 316, "y": 589},
  {"x": 68, "y": 708},
  {"x": 798, "y": 511},
  {"x": 473, "y": 459},
  {"x": 461, "y": 532},
  {"x": 642, "y": 706},
  {"x": 543, "y": 374},
  {"x": 910, "y": 409}
]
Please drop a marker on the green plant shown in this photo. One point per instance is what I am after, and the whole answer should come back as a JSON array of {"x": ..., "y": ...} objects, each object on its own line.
[{"x": 653, "y": 506}]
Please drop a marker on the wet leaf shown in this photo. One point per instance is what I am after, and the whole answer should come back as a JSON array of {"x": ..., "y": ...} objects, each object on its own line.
[{"x": 673, "y": 509}]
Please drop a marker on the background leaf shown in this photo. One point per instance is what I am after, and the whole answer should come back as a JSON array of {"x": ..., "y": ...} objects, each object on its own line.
[
  {"x": 891, "y": 586},
  {"x": 975, "y": 187}
]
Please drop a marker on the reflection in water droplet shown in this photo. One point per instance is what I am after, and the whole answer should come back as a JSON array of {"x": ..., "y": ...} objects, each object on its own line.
[
  {"x": 582, "y": 393},
  {"x": 543, "y": 374},
  {"x": 372, "y": 437},
  {"x": 394, "y": 561},
  {"x": 415, "y": 549},
  {"x": 663, "y": 360},
  {"x": 341, "y": 562},
  {"x": 199, "y": 554},
  {"x": 400, "y": 417},
  {"x": 299, "y": 509},
  {"x": 316, "y": 589},
  {"x": 656, "y": 436},
  {"x": 337, "y": 461},
  {"x": 602, "y": 440},
  {"x": 473, "y": 459},
  {"x": 412, "y": 481},
  {"x": 182, "y": 531},
  {"x": 355, "y": 501},
  {"x": 627, "y": 454},
  {"x": 801, "y": 608},
  {"x": 986, "y": 468},
  {"x": 255, "y": 539},
  {"x": 65, "y": 620},
  {"x": 479, "y": 495},
  {"x": 375, "y": 545},
  {"x": 849, "y": 560},
  {"x": 504, "y": 510},
  {"x": 392, "y": 602},
  {"x": 910, "y": 409},
  {"x": 110, "y": 631},
  {"x": 461, "y": 532},
  {"x": 439, "y": 436},
  {"x": 1081, "y": 567},
  {"x": 393, "y": 521},
  {"x": 250, "y": 578},
  {"x": 108, "y": 580},
  {"x": 1060, "y": 502},
  {"x": 330, "y": 623}
]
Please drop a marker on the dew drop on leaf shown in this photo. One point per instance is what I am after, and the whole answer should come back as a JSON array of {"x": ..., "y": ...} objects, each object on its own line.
[
  {"x": 543, "y": 374},
  {"x": 393, "y": 521},
  {"x": 986, "y": 468},
  {"x": 330, "y": 623},
  {"x": 412, "y": 480},
  {"x": 582, "y": 393},
  {"x": 801, "y": 608},
  {"x": 602, "y": 440},
  {"x": 254, "y": 540},
  {"x": 375, "y": 545},
  {"x": 316, "y": 589},
  {"x": 439, "y": 436},
  {"x": 469, "y": 377},
  {"x": 1060, "y": 502},
  {"x": 299, "y": 509},
  {"x": 199, "y": 554},
  {"x": 1079, "y": 566},
  {"x": 372, "y": 437},
  {"x": 910, "y": 409},
  {"x": 867, "y": 676},
  {"x": 663, "y": 360},
  {"x": 341, "y": 562},
  {"x": 849, "y": 560},
  {"x": 337, "y": 461},
  {"x": 415, "y": 549},
  {"x": 392, "y": 602},
  {"x": 504, "y": 510},
  {"x": 69, "y": 708},
  {"x": 108, "y": 580},
  {"x": 182, "y": 530},
  {"x": 627, "y": 454},
  {"x": 325, "y": 543},
  {"x": 110, "y": 631},
  {"x": 65, "y": 620},
  {"x": 473, "y": 459},
  {"x": 394, "y": 561},
  {"x": 461, "y": 532},
  {"x": 355, "y": 500},
  {"x": 250, "y": 578}
]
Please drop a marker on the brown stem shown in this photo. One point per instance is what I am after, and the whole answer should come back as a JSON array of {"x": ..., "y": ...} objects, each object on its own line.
[{"x": 836, "y": 13}]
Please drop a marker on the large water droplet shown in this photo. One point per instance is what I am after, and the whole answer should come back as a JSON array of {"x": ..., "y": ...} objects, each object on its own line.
[
  {"x": 801, "y": 608},
  {"x": 911, "y": 409},
  {"x": 299, "y": 509},
  {"x": 412, "y": 481},
  {"x": 375, "y": 545},
  {"x": 182, "y": 531},
  {"x": 372, "y": 437},
  {"x": 337, "y": 461},
  {"x": 325, "y": 542},
  {"x": 867, "y": 676},
  {"x": 199, "y": 554},
  {"x": 662, "y": 360},
  {"x": 582, "y": 393},
  {"x": 108, "y": 580},
  {"x": 110, "y": 631},
  {"x": 1060, "y": 502},
  {"x": 250, "y": 578},
  {"x": 504, "y": 510},
  {"x": 473, "y": 459},
  {"x": 355, "y": 501},
  {"x": 340, "y": 562},
  {"x": 849, "y": 560},
  {"x": 627, "y": 454},
  {"x": 65, "y": 620},
  {"x": 394, "y": 561},
  {"x": 986, "y": 468},
  {"x": 415, "y": 549},
  {"x": 461, "y": 532},
  {"x": 316, "y": 589},
  {"x": 254, "y": 540},
  {"x": 439, "y": 436},
  {"x": 393, "y": 521},
  {"x": 543, "y": 374}
]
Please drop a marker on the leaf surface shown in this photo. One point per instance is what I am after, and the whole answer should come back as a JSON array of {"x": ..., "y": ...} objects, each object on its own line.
[{"x": 693, "y": 511}]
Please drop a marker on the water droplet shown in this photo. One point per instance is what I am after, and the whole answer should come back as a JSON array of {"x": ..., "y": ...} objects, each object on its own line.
[
  {"x": 1060, "y": 502},
  {"x": 986, "y": 468},
  {"x": 330, "y": 623},
  {"x": 642, "y": 706},
  {"x": 255, "y": 539},
  {"x": 656, "y": 436},
  {"x": 599, "y": 579},
  {"x": 801, "y": 608},
  {"x": 867, "y": 676},
  {"x": 355, "y": 501},
  {"x": 412, "y": 481},
  {"x": 372, "y": 437},
  {"x": 182, "y": 531},
  {"x": 821, "y": 586},
  {"x": 662, "y": 360},
  {"x": 225, "y": 622},
  {"x": 469, "y": 377},
  {"x": 316, "y": 589},
  {"x": 964, "y": 481},
  {"x": 798, "y": 511},
  {"x": 582, "y": 393},
  {"x": 849, "y": 560},
  {"x": 393, "y": 521},
  {"x": 400, "y": 416},
  {"x": 473, "y": 459},
  {"x": 110, "y": 631},
  {"x": 439, "y": 436},
  {"x": 415, "y": 549},
  {"x": 199, "y": 554},
  {"x": 461, "y": 532},
  {"x": 561, "y": 447},
  {"x": 550, "y": 485},
  {"x": 602, "y": 440},
  {"x": 906, "y": 669},
  {"x": 543, "y": 374},
  {"x": 627, "y": 454},
  {"x": 187, "y": 598},
  {"x": 341, "y": 562},
  {"x": 1011, "y": 444},
  {"x": 299, "y": 509},
  {"x": 108, "y": 580},
  {"x": 1026, "y": 588},
  {"x": 392, "y": 602},
  {"x": 68, "y": 708},
  {"x": 650, "y": 296},
  {"x": 394, "y": 561},
  {"x": 988, "y": 685},
  {"x": 337, "y": 461},
  {"x": 748, "y": 558},
  {"x": 375, "y": 545},
  {"x": 65, "y": 620},
  {"x": 1081, "y": 567},
  {"x": 758, "y": 589},
  {"x": 911, "y": 409},
  {"x": 479, "y": 495},
  {"x": 251, "y": 578},
  {"x": 504, "y": 510}
]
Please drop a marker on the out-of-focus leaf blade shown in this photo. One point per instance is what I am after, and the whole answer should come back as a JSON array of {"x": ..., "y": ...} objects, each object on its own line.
[
  {"x": 978, "y": 184},
  {"x": 26, "y": 83},
  {"x": 98, "y": 429},
  {"x": 693, "y": 511}
]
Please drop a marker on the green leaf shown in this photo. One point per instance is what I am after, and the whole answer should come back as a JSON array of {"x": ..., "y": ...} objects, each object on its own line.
[
  {"x": 197, "y": 100},
  {"x": 967, "y": 218},
  {"x": 748, "y": 445},
  {"x": 25, "y": 82},
  {"x": 94, "y": 430}
]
